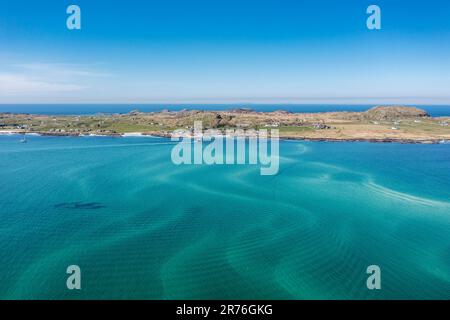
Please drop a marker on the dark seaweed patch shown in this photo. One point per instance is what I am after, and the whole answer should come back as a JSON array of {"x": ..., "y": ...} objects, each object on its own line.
[{"x": 80, "y": 205}]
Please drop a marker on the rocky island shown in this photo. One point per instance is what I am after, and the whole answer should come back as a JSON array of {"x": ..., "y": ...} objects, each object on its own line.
[{"x": 379, "y": 124}]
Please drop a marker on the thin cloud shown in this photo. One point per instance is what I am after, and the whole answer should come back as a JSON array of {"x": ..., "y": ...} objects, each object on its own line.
[
  {"x": 38, "y": 79},
  {"x": 13, "y": 84},
  {"x": 61, "y": 69}
]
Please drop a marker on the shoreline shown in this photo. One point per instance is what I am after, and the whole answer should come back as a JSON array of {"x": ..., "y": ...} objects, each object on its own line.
[{"x": 168, "y": 136}]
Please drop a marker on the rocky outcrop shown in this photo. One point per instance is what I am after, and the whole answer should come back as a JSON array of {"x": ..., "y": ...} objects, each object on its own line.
[
  {"x": 221, "y": 121},
  {"x": 241, "y": 110},
  {"x": 134, "y": 112}
]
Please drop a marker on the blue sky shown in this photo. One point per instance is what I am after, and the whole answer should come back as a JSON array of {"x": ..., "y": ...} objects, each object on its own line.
[{"x": 225, "y": 51}]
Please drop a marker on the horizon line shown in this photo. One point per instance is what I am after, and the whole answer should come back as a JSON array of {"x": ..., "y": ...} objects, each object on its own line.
[{"x": 232, "y": 103}]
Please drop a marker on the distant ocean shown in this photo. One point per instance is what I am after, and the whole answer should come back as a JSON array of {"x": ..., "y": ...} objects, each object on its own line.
[
  {"x": 87, "y": 109},
  {"x": 141, "y": 227}
]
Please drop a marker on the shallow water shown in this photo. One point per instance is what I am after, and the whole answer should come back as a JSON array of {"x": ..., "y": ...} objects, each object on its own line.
[{"x": 140, "y": 227}]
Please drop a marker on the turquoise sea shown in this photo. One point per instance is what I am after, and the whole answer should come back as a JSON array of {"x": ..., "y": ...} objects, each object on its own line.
[{"x": 141, "y": 227}]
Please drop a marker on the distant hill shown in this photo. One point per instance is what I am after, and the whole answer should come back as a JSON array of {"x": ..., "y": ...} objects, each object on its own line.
[{"x": 394, "y": 112}]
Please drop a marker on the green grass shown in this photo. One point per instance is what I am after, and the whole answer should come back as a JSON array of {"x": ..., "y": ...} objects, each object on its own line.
[
  {"x": 286, "y": 129},
  {"x": 129, "y": 127}
]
